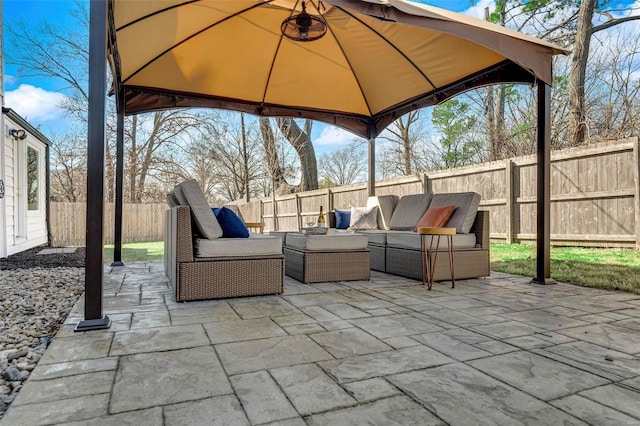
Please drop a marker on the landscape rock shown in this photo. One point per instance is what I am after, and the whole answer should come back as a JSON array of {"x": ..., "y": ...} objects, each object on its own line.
[{"x": 35, "y": 302}]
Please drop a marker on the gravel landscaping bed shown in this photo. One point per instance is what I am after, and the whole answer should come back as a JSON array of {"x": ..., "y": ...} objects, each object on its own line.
[{"x": 36, "y": 294}]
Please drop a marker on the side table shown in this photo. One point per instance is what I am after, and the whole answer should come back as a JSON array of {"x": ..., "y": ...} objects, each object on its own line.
[{"x": 427, "y": 254}]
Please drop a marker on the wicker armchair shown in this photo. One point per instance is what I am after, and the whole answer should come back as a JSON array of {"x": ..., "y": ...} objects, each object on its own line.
[{"x": 198, "y": 278}]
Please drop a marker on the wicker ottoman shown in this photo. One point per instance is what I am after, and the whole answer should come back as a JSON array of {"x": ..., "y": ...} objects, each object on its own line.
[{"x": 322, "y": 258}]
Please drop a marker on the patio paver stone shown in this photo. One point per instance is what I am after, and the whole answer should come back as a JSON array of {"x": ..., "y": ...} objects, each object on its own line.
[{"x": 494, "y": 351}]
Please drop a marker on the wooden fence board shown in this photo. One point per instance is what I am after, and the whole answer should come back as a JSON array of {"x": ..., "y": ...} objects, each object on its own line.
[
  {"x": 140, "y": 222},
  {"x": 595, "y": 200},
  {"x": 595, "y": 195}
]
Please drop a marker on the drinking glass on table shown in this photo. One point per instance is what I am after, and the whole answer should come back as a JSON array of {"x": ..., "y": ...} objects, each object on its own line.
[{"x": 310, "y": 224}]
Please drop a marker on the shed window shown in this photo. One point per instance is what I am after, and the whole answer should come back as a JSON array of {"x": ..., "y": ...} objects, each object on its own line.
[{"x": 33, "y": 179}]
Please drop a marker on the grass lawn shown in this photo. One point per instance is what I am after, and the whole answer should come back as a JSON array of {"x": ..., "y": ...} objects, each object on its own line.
[
  {"x": 137, "y": 252},
  {"x": 613, "y": 269}
]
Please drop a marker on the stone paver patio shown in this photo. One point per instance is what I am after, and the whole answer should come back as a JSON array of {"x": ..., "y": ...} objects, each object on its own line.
[{"x": 384, "y": 352}]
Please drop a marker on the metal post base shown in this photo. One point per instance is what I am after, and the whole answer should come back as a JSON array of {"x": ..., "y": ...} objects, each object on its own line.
[
  {"x": 543, "y": 281},
  {"x": 117, "y": 263},
  {"x": 93, "y": 324}
]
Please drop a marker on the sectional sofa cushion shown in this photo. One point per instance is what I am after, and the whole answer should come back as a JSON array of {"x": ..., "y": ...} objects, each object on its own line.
[
  {"x": 255, "y": 245},
  {"x": 409, "y": 210},
  {"x": 189, "y": 193},
  {"x": 343, "y": 218},
  {"x": 364, "y": 218},
  {"x": 435, "y": 217},
  {"x": 466, "y": 208},
  {"x": 172, "y": 200},
  {"x": 376, "y": 236},
  {"x": 327, "y": 242},
  {"x": 232, "y": 226},
  {"x": 410, "y": 239},
  {"x": 386, "y": 205}
]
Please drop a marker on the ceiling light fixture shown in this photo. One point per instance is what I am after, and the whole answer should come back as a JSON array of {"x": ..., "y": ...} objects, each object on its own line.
[{"x": 304, "y": 27}]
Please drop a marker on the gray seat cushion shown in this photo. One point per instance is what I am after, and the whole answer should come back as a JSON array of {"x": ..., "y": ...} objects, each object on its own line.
[
  {"x": 409, "y": 210},
  {"x": 189, "y": 193},
  {"x": 466, "y": 208},
  {"x": 376, "y": 236},
  {"x": 255, "y": 245},
  {"x": 412, "y": 240},
  {"x": 334, "y": 242}
]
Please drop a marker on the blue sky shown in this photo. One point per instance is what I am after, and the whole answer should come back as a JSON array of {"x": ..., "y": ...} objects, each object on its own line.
[{"x": 36, "y": 99}]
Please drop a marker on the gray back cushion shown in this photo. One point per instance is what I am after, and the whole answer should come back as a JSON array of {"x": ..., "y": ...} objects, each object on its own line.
[
  {"x": 190, "y": 192},
  {"x": 172, "y": 200},
  {"x": 179, "y": 196},
  {"x": 466, "y": 208},
  {"x": 409, "y": 210},
  {"x": 386, "y": 205}
]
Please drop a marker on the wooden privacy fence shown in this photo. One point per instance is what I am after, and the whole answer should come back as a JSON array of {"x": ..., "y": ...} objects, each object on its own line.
[
  {"x": 140, "y": 222},
  {"x": 595, "y": 196}
]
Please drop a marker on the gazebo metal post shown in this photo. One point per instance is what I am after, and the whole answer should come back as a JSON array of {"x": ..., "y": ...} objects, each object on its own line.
[
  {"x": 117, "y": 231},
  {"x": 543, "y": 203},
  {"x": 93, "y": 317},
  {"x": 371, "y": 183}
]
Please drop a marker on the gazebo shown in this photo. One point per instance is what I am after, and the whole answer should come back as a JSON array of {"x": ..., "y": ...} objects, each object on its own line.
[{"x": 357, "y": 64}]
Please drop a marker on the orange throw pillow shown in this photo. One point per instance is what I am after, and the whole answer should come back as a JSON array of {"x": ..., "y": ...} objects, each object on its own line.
[{"x": 435, "y": 217}]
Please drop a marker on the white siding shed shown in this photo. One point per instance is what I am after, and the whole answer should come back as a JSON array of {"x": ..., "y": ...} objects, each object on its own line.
[{"x": 24, "y": 185}]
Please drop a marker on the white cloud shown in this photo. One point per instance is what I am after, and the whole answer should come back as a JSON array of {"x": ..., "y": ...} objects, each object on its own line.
[
  {"x": 334, "y": 136},
  {"x": 477, "y": 10},
  {"x": 35, "y": 104}
]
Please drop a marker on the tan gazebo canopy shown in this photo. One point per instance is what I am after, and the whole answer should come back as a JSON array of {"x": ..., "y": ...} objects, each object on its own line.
[{"x": 377, "y": 60}]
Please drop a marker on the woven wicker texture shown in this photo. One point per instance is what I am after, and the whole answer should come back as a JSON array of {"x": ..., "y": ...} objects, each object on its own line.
[
  {"x": 230, "y": 278},
  {"x": 481, "y": 229},
  {"x": 313, "y": 267},
  {"x": 378, "y": 257},
  {"x": 471, "y": 263}
]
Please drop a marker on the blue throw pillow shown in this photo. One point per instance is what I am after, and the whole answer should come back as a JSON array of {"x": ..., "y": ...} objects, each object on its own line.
[
  {"x": 232, "y": 226},
  {"x": 343, "y": 218}
]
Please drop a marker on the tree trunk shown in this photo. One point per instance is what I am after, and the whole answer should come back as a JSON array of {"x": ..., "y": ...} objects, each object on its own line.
[
  {"x": 110, "y": 174},
  {"x": 271, "y": 151},
  {"x": 577, "y": 112},
  {"x": 491, "y": 124},
  {"x": 500, "y": 130},
  {"x": 245, "y": 159},
  {"x": 406, "y": 144},
  {"x": 301, "y": 142},
  {"x": 133, "y": 164}
]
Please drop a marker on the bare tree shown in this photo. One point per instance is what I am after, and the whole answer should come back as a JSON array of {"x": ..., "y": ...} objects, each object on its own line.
[
  {"x": 344, "y": 166},
  {"x": 405, "y": 135},
  {"x": 68, "y": 171}
]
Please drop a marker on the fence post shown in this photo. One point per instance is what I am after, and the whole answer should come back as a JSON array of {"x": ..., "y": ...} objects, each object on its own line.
[
  {"x": 508, "y": 171},
  {"x": 261, "y": 212},
  {"x": 636, "y": 199},
  {"x": 298, "y": 211},
  {"x": 329, "y": 200},
  {"x": 427, "y": 186}
]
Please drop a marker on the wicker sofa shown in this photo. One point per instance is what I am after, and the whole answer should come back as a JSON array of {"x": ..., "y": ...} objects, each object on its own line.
[
  {"x": 203, "y": 265},
  {"x": 395, "y": 248}
]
